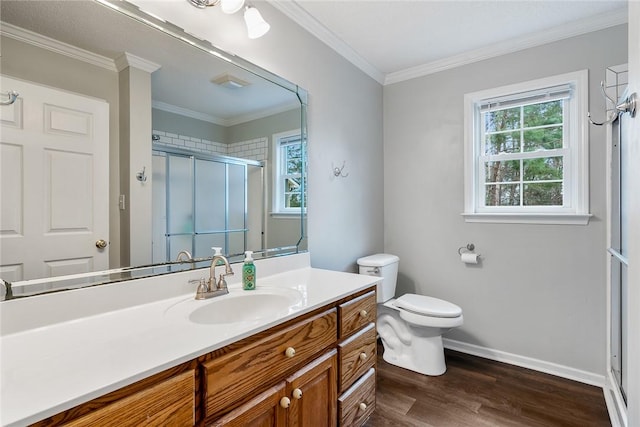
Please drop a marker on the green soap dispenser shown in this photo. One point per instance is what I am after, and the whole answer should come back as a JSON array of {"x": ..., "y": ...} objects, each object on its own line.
[{"x": 248, "y": 272}]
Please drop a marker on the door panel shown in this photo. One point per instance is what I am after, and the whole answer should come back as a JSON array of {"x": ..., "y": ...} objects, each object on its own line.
[{"x": 55, "y": 149}]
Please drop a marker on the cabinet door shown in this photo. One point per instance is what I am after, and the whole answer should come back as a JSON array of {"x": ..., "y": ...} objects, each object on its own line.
[
  {"x": 169, "y": 403},
  {"x": 313, "y": 393},
  {"x": 265, "y": 410}
]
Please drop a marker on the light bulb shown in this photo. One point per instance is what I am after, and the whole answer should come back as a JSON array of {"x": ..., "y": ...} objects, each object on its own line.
[
  {"x": 231, "y": 6},
  {"x": 256, "y": 25}
]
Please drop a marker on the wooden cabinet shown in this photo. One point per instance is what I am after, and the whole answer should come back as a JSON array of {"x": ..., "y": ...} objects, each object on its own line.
[
  {"x": 264, "y": 410},
  {"x": 169, "y": 403},
  {"x": 164, "y": 399},
  {"x": 357, "y": 358},
  {"x": 313, "y": 394},
  {"x": 233, "y": 376},
  {"x": 312, "y": 371},
  {"x": 358, "y": 403}
]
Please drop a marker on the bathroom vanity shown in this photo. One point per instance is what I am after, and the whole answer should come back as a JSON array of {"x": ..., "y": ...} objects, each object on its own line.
[{"x": 300, "y": 353}]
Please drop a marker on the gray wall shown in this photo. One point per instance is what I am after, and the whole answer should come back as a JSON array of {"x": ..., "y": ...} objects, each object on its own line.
[
  {"x": 540, "y": 291},
  {"x": 183, "y": 125}
]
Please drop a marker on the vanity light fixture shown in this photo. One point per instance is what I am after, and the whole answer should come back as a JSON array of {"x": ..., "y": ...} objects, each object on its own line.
[{"x": 256, "y": 25}]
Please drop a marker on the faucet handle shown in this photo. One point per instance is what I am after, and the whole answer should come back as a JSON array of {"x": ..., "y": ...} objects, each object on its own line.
[
  {"x": 203, "y": 288},
  {"x": 222, "y": 283}
]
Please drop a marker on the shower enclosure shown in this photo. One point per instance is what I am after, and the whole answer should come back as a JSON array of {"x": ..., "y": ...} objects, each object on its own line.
[
  {"x": 618, "y": 246},
  {"x": 202, "y": 201}
]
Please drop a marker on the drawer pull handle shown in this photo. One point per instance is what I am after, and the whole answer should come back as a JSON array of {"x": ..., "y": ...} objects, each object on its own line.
[
  {"x": 363, "y": 356},
  {"x": 297, "y": 393},
  {"x": 363, "y": 313},
  {"x": 290, "y": 352},
  {"x": 285, "y": 402},
  {"x": 363, "y": 406}
]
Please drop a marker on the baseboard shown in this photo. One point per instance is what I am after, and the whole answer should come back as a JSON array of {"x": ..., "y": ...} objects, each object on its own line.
[
  {"x": 615, "y": 404},
  {"x": 526, "y": 362}
]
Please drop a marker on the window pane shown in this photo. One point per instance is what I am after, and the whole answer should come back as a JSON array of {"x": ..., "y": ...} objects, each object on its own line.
[
  {"x": 508, "y": 142},
  {"x": 505, "y": 171},
  {"x": 495, "y": 121},
  {"x": 293, "y": 156},
  {"x": 543, "y": 138},
  {"x": 543, "y": 169},
  {"x": 292, "y": 200},
  {"x": 543, "y": 194},
  {"x": 546, "y": 113},
  {"x": 502, "y": 195}
]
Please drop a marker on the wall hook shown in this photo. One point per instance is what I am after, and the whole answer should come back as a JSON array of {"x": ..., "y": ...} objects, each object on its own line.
[
  {"x": 12, "y": 95},
  {"x": 339, "y": 172},
  {"x": 142, "y": 175}
]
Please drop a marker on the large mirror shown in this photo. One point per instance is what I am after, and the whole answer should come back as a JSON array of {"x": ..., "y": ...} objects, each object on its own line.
[{"x": 134, "y": 146}]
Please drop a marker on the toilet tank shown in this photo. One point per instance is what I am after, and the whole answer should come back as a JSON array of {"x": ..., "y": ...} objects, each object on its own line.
[{"x": 385, "y": 266}]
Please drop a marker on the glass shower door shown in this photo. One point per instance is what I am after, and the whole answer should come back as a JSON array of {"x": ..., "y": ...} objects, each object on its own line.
[{"x": 618, "y": 250}]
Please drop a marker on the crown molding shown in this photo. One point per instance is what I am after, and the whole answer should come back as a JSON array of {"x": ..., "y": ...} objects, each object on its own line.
[
  {"x": 300, "y": 16},
  {"x": 159, "y": 105},
  {"x": 128, "y": 60},
  {"x": 595, "y": 23},
  {"x": 295, "y": 12},
  {"x": 220, "y": 121},
  {"x": 44, "y": 42}
]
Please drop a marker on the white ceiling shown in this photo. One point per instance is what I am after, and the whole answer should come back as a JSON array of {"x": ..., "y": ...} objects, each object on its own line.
[{"x": 392, "y": 40}]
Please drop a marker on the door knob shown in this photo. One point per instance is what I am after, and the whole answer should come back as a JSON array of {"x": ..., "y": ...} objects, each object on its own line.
[{"x": 101, "y": 244}]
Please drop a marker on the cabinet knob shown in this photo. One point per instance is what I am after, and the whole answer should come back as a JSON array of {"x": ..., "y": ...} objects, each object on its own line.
[
  {"x": 363, "y": 356},
  {"x": 290, "y": 352},
  {"x": 363, "y": 313},
  {"x": 285, "y": 402},
  {"x": 363, "y": 406},
  {"x": 297, "y": 393}
]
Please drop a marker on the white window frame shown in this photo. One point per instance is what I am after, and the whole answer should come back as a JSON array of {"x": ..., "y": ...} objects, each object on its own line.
[
  {"x": 277, "y": 205},
  {"x": 575, "y": 164}
]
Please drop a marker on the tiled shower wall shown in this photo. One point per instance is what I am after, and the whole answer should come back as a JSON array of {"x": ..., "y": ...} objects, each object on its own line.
[{"x": 254, "y": 149}]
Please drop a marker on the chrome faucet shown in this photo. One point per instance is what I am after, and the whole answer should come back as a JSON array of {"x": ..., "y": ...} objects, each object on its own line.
[
  {"x": 209, "y": 288},
  {"x": 185, "y": 254}
]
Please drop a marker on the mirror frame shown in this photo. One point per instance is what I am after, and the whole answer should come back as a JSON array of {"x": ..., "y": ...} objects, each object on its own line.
[{"x": 121, "y": 274}]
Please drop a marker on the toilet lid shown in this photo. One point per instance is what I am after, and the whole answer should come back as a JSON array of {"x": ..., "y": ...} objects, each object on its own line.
[{"x": 428, "y": 306}]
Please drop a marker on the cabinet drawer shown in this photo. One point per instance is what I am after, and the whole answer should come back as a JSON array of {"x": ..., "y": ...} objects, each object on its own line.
[
  {"x": 359, "y": 402},
  {"x": 171, "y": 402},
  {"x": 357, "y": 354},
  {"x": 236, "y": 375},
  {"x": 356, "y": 313}
]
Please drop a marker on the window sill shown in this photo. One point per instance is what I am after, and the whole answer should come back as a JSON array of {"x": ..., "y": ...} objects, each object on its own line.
[
  {"x": 528, "y": 218},
  {"x": 286, "y": 215}
]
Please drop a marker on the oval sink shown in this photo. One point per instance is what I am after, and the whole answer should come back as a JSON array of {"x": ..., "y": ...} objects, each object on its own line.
[{"x": 241, "y": 306}]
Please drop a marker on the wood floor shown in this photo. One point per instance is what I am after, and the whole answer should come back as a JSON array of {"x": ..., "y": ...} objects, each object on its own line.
[{"x": 478, "y": 392}]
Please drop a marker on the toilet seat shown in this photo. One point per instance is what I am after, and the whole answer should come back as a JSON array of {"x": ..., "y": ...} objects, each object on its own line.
[{"x": 427, "y": 306}]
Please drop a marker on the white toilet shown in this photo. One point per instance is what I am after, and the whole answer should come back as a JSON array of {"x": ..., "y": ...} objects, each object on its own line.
[{"x": 410, "y": 326}]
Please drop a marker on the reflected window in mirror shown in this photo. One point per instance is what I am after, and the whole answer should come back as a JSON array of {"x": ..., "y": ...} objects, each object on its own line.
[{"x": 289, "y": 160}]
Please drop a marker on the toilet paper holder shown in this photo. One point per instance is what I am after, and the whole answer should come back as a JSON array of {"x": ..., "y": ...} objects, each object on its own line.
[
  {"x": 469, "y": 248},
  {"x": 467, "y": 255}
]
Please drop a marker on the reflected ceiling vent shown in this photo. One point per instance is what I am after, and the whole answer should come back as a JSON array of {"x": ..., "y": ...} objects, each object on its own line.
[{"x": 229, "y": 81}]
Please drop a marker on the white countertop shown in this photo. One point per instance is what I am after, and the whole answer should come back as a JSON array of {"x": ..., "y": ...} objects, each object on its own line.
[{"x": 54, "y": 367}]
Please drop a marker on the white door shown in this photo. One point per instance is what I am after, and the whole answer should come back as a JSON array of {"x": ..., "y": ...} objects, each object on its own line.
[{"x": 54, "y": 188}]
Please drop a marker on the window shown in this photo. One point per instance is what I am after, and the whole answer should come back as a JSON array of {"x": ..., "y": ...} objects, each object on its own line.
[
  {"x": 526, "y": 152},
  {"x": 289, "y": 160}
]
